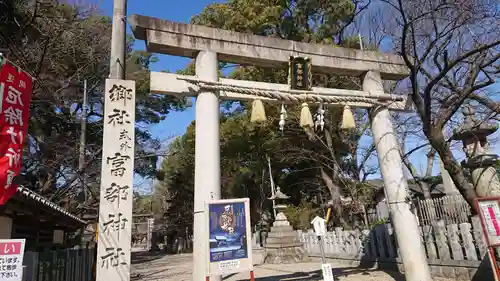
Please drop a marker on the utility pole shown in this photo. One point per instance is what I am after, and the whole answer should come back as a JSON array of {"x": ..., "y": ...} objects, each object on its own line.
[
  {"x": 272, "y": 185},
  {"x": 83, "y": 133},
  {"x": 118, "y": 40}
]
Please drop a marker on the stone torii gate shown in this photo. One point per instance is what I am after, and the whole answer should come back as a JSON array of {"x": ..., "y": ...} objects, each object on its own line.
[{"x": 209, "y": 45}]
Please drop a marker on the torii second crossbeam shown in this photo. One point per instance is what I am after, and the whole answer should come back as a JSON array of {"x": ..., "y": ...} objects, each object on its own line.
[{"x": 173, "y": 84}]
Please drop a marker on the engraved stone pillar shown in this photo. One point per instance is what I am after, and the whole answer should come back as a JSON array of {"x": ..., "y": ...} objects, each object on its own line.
[
  {"x": 449, "y": 186},
  {"x": 117, "y": 174}
]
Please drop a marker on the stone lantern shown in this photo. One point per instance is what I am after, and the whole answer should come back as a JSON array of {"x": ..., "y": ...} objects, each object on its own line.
[
  {"x": 473, "y": 133},
  {"x": 282, "y": 244},
  {"x": 279, "y": 198}
]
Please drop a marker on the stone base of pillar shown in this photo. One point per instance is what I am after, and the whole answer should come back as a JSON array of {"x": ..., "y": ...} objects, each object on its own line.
[
  {"x": 258, "y": 256},
  {"x": 282, "y": 245},
  {"x": 283, "y": 255}
]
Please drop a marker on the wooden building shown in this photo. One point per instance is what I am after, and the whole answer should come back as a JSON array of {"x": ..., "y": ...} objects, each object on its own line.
[{"x": 44, "y": 224}]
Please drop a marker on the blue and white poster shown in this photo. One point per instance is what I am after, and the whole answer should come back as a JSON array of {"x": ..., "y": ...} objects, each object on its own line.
[{"x": 228, "y": 231}]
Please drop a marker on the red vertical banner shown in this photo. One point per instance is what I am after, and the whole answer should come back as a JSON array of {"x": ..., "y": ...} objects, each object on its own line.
[
  {"x": 15, "y": 98},
  {"x": 494, "y": 221}
]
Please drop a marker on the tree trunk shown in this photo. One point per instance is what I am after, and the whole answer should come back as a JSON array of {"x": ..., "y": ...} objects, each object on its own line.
[
  {"x": 336, "y": 200},
  {"x": 436, "y": 138}
]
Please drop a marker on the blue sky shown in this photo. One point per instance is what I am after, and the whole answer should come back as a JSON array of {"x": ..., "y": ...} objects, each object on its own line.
[{"x": 182, "y": 11}]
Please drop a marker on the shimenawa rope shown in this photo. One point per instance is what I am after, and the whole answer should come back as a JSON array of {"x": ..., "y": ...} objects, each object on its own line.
[{"x": 279, "y": 95}]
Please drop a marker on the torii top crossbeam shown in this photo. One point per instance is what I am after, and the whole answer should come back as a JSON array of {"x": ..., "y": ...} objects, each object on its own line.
[{"x": 173, "y": 38}]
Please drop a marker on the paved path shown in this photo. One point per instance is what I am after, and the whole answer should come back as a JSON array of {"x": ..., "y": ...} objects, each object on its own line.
[{"x": 178, "y": 268}]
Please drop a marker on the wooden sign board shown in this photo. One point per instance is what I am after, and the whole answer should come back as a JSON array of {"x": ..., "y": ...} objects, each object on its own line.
[
  {"x": 300, "y": 74},
  {"x": 229, "y": 235}
]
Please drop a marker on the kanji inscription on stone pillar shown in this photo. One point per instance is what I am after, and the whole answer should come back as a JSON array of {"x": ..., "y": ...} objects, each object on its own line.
[{"x": 115, "y": 207}]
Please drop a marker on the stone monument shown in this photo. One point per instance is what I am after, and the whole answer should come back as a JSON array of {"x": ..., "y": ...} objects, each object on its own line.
[
  {"x": 282, "y": 244},
  {"x": 480, "y": 160}
]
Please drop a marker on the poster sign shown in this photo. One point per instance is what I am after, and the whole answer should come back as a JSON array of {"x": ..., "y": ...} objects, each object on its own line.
[
  {"x": 11, "y": 259},
  {"x": 117, "y": 172},
  {"x": 489, "y": 211},
  {"x": 15, "y": 99},
  {"x": 229, "y": 236}
]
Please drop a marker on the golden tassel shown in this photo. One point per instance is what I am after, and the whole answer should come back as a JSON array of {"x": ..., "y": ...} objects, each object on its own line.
[
  {"x": 348, "y": 121},
  {"x": 258, "y": 112},
  {"x": 306, "y": 119}
]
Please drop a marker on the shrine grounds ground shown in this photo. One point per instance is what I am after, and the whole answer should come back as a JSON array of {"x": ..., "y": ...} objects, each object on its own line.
[{"x": 161, "y": 267}]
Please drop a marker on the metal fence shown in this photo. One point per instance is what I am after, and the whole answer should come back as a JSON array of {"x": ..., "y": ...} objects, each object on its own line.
[{"x": 60, "y": 265}]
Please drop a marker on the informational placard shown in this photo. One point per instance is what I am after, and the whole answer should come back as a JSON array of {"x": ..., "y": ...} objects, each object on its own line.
[
  {"x": 11, "y": 259},
  {"x": 229, "y": 244},
  {"x": 489, "y": 212},
  {"x": 15, "y": 98},
  {"x": 115, "y": 205},
  {"x": 326, "y": 269}
]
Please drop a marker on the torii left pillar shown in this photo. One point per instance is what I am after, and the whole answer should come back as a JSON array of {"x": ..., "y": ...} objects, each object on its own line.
[{"x": 207, "y": 160}]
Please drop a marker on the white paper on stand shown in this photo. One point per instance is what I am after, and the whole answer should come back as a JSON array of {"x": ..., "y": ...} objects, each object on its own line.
[
  {"x": 319, "y": 225},
  {"x": 327, "y": 272}
]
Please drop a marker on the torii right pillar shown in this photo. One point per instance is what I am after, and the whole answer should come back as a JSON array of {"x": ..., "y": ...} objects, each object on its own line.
[{"x": 411, "y": 249}]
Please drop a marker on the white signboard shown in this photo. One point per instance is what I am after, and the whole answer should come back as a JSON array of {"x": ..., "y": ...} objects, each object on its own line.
[
  {"x": 151, "y": 223},
  {"x": 490, "y": 216},
  {"x": 230, "y": 265},
  {"x": 326, "y": 268},
  {"x": 115, "y": 206},
  {"x": 229, "y": 245},
  {"x": 319, "y": 225},
  {"x": 11, "y": 259}
]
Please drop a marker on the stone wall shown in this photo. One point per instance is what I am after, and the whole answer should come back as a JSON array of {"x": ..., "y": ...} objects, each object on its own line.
[{"x": 453, "y": 250}]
